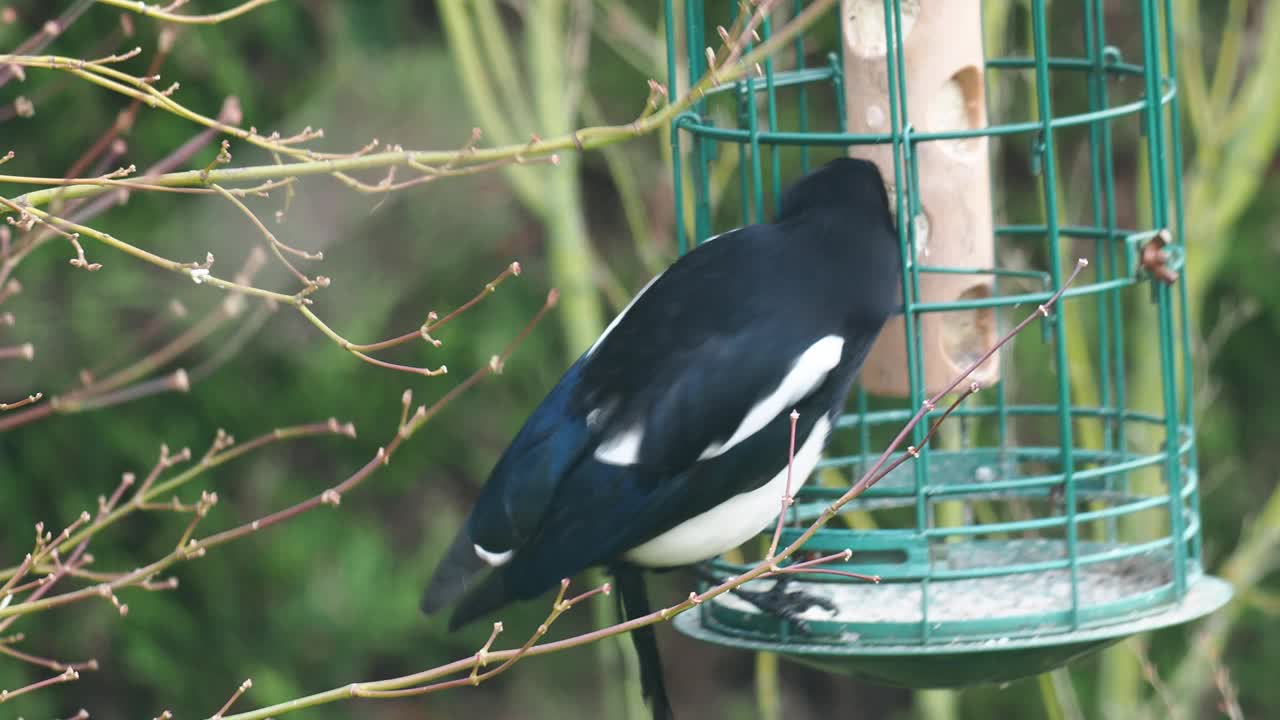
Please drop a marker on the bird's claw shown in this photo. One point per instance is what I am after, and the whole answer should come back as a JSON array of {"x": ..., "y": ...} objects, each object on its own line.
[{"x": 788, "y": 605}]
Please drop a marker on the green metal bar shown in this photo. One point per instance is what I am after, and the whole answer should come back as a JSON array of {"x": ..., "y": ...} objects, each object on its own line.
[
  {"x": 810, "y": 75},
  {"x": 1074, "y": 291},
  {"x": 746, "y": 116},
  {"x": 1079, "y": 231},
  {"x": 1060, "y": 63},
  {"x": 1017, "y": 489},
  {"x": 1180, "y": 226},
  {"x": 771, "y": 94},
  {"x": 1111, "y": 554},
  {"x": 1113, "y": 355},
  {"x": 1045, "y": 111},
  {"x": 695, "y": 39},
  {"x": 752, "y": 184},
  {"x": 1039, "y": 275},
  {"x": 842, "y": 123},
  {"x": 837, "y": 89},
  {"x": 864, "y": 429},
  {"x": 1151, "y": 117},
  {"x": 1000, "y": 406},
  {"x": 1048, "y": 565},
  {"x": 1164, "y": 301},
  {"x": 899, "y": 416},
  {"x": 677, "y": 171},
  {"x": 757, "y": 180},
  {"x": 1096, "y": 81},
  {"x": 1049, "y": 523},
  {"x": 1041, "y": 481},
  {"x": 842, "y": 138},
  {"x": 898, "y": 129},
  {"x": 802, "y": 96},
  {"x": 1027, "y": 483},
  {"x": 1026, "y": 453}
]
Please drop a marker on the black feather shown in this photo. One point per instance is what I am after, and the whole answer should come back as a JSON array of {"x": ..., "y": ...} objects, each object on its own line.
[
  {"x": 633, "y": 602},
  {"x": 459, "y": 571}
]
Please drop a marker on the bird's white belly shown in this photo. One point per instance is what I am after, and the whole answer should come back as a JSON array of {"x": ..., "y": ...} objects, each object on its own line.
[{"x": 734, "y": 521}]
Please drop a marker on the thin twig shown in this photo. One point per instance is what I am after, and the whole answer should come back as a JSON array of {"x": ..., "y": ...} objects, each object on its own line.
[
  {"x": 558, "y": 607},
  {"x": 28, "y": 400},
  {"x": 55, "y": 665},
  {"x": 244, "y": 687},
  {"x": 166, "y": 14},
  {"x": 68, "y": 675},
  {"x": 787, "y": 497},
  {"x": 277, "y": 247}
]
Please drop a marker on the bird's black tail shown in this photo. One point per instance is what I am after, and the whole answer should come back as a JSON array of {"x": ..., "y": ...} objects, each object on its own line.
[
  {"x": 633, "y": 602},
  {"x": 459, "y": 572}
]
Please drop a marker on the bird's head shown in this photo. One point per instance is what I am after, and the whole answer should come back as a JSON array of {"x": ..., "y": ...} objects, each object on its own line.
[
  {"x": 849, "y": 195},
  {"x": 849, "y": 186}
]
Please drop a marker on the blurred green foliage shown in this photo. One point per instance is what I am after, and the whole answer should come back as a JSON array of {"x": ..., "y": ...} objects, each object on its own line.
[{"x": 331, "y": 597}]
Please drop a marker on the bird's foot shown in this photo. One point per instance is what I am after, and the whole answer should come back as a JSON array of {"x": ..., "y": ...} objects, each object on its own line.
[{"x": 788, "y": 605}]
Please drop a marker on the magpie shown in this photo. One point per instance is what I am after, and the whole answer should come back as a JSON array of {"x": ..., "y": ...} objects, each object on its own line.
[{"x": 666, "y": 442}]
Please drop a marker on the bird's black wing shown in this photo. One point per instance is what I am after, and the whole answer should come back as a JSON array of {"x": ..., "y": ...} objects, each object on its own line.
[
  {"x": 700, "y": 347},
  {"x": 615, "y": 454}
]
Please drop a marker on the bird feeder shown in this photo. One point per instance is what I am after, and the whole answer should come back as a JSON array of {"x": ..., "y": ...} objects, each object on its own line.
[
  {"x": 951, "y": 218},
  {"x": 1060, "y": 512}
]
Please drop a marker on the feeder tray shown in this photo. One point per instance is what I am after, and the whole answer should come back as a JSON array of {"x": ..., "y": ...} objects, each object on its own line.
[
  {"x": 999, "y": 659},
  {"x": 951, "y": 614}
]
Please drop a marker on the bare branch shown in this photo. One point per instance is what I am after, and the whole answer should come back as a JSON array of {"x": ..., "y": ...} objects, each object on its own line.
[
  {"x": 67, "y": 675},
  {"x": 55, "y": 665},
  {"x": 28, "y": 400},
  {"x": 244, "y": 687},
  {"x": 166, "y": 13},
  {"x": 787, "y": 498},
  {"x": 735, "y": 64}
]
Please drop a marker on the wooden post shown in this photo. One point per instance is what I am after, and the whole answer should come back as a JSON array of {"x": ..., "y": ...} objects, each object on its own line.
[{"x": 942, "y": 47}]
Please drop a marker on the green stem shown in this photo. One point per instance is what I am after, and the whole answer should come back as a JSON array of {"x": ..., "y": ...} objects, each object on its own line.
[
  {"x": 1064, "y": 693},
  {"x": 568, "y": 252},
  {"x": 1191, "y": 80},
  {"x": 768, "y": 698},
  {"x": 497, "y": 45},
  {"x": 1049, "y": 697},
  {"x": 1229, "y": 171},
  {"x": 937, "y": 705},
  {"x": 476, "y": 83},
  {"x": 633, "y": 207},
  {"x": 1227, "y": 67},
  {"x": 1247, "y": 566}
]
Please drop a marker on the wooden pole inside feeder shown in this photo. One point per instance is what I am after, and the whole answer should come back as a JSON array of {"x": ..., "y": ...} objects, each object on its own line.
[{"x": 942, "y": 47}]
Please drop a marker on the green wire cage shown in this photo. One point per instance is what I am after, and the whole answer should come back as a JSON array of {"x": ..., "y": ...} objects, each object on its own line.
[{"x": 1054, "y": 514}]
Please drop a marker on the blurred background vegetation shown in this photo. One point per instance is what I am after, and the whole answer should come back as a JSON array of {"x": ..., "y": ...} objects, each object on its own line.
[{"x": 332, "y": 597}]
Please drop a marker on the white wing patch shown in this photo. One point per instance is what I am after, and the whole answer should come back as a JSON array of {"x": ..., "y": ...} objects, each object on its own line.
[
  {"x": 494, "y": 559},
  {"x": 622, "y": 448},
  {"x": 806, "y": 373},
  {"x": 734, "y": 521}
]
